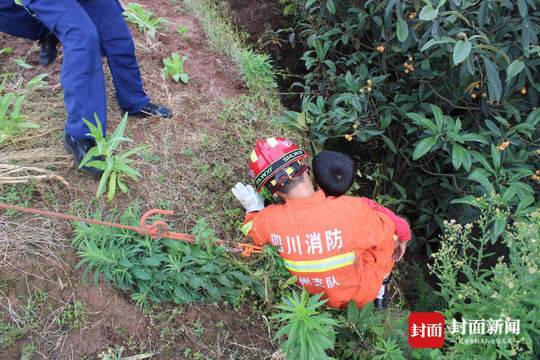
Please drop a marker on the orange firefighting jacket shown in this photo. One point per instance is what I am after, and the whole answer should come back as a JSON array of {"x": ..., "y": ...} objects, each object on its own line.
[{"x": 341, "y": 246}]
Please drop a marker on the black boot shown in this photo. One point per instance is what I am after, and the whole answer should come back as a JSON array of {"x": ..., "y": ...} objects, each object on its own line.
[
  {"x": 154, "y": 110},
  {"x": 79, "y": 148},
  {"x": 48, "y": 52},
  {"x": 381, "y": 302}
]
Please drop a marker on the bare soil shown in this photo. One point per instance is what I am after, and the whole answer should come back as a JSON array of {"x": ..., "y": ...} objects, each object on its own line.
[
  {"x": 189, "y": 164},
  {"x": 259, "y": 17}
]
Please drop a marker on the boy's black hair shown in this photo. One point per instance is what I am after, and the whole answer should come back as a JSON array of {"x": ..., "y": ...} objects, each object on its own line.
[{"x": 333, "y": 172}]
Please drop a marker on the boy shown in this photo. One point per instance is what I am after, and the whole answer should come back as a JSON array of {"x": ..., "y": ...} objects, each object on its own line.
[
  {"x": 341, "y": 246},
  {"x": 334, "y": 174}
]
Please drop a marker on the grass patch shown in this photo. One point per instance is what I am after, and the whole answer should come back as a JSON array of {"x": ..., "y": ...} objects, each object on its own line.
[
  {"x": 256, "y": 69},
  {"x": 9, "y": 334}
]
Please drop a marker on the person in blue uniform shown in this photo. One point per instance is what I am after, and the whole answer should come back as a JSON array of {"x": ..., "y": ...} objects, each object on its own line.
[
  {"x": 88, "y": 30},
  {"x": 11, "y": 17}
]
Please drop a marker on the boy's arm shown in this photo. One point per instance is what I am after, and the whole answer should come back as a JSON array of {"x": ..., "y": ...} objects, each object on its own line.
[{"x": 403, "y": 230}]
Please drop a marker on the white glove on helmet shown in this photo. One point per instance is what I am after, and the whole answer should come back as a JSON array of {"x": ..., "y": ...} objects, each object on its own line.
[{"x": 248, "y": 197}]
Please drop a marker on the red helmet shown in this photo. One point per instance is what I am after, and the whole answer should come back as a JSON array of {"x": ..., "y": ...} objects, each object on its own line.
[{"x": 274, "y": 161}]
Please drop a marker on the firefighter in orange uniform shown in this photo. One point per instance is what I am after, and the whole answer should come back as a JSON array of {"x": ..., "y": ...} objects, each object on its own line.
[{"x": 342, "y": 246}]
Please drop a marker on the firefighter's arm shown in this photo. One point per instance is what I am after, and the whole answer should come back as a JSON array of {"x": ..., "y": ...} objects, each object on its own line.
[
  {"x": 403, "y": 230},
  {"x": 251, "y": 229}
]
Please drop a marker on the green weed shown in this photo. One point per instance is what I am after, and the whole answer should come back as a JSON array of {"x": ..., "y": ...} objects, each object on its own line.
[
  {"x": 103, "y": 156},
  {"x": 151, "y": 157},
  {"x": 198, "y": 329},
  {"x": 257, "y": 71},
  {"x": 22, "y": 63},
  {"x": 28, "y": 319},
  {"x": 189, "y": 354},
  {"x": 27, "y": 351},
  {"x": 174, "y": 67},
  {"x": 73, "y": 316},
  {"x": 111, "y": 353},
  {"x": 182, "y": 30},
  {"x": 37, "y": 82},
  {"x": 144, "y": 19},
  {"x": 163, "y": 270},
  {"x": 368, "y": 334},
  {"x": 427, "y": 298},
  {"x": 309, "y": 331},
  {"x": 12, "y": 121},
  {"x": 9, "y": 334},
  {"x": 508, "y": 289},
  {"x": 19, "y": 194},
  {"x": 6, "y": 51}
]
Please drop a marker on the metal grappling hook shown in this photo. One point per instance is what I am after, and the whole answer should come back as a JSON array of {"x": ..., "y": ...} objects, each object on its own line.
[{"x": 156, "y": 230}]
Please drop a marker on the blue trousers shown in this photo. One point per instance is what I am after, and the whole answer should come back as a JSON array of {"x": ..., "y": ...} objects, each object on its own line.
[
  {"x": 11, "y": 18},
  {"x": 88, "y": 30}
]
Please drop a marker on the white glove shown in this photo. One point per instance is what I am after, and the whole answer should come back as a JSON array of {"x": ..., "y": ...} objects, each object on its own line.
[{"x": 247, "y": 196}]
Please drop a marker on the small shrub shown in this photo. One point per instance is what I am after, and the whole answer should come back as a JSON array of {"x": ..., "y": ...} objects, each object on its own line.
[
  {"x": 366, "y": 333},
  {"x": 309, "y": 331},
  {"x": 144, "y": 19},
  {"x": 174, "y": 67},
  {"x": 257, "y": 71},
  {"x": 162, "y": 270},
  {"x": 436, "y": 99},
  {"x": 103, "y": 156},
  {"x": 508, "y": 289}
]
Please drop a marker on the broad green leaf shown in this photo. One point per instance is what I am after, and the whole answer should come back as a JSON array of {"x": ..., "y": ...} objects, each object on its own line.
[
  {"x": 498, "y": 228},
  {"x": 483, "y": 160},
  {"x": 514, "y": 69},
  {"x": 461, "y": 52},
  {"x": 459, "y": 156},
  {"x": 428, "y": 13},
  {"x": 389, "y": 143},
  {"x": 469, "y": 200},
  {"x": 438, "y": 114},
  {"x": 474, "y": 137},
  {"x": 423, "y": 147},
  {"x": 481, "y": 177},
  {"x": 420, "y": 119},
  {"x": 331, "y": 6},
  {"x": 443, "y": 40},
  {"x": 522, "y": 7},
  {"x": 494, "y": 82},
  {"x": 402, "y": 30},
  {"x": 495, "y": 157}
]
